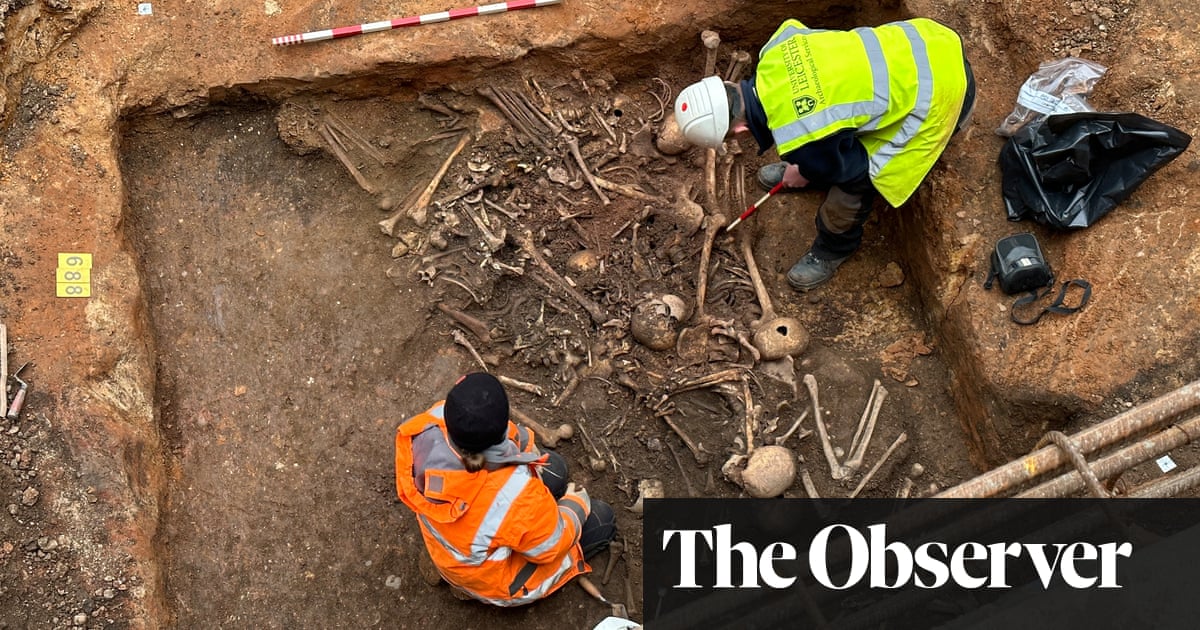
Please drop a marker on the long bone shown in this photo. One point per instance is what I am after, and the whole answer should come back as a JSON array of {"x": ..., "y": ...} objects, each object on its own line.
[
  {"x": 835, "y": 468},
  {"x": 737, "y": 65},
  {"x": 862, "y": 435},
  {"x": 716, "y": 221},
  {"x": 774, "y": 336},
  {"x": 476, "y": 326},
  {"x": 550, "y": 438},
  {"x": 697, "y": 450},
  {"x": 711, "y": 41},
  {"x": 492, "y": 240},
  {"x": 521, "y": 385},
  {"x": 336, "y": 147},
  {"x": 900, "y": 439},
  {"x": 462, "y": 340},
  {"x": 336, "y": 123},
  {"x": 593, "y": 310},
  {"x": 862, "y": 438},
  {"x": 573, "y": 146},
  {"x": 420, "y": 207}
]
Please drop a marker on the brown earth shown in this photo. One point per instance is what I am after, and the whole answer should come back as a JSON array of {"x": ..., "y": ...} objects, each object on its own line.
[{"x": 208, "y": 438}]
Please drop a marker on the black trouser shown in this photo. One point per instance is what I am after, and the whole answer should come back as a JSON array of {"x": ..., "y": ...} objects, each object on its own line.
[
  {"x": 600, "y": 528},
  {"x": 847, "y": 206}
]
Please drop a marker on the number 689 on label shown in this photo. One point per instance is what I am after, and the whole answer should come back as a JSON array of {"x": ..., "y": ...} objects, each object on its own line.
[{"x": 73, "y": 277}]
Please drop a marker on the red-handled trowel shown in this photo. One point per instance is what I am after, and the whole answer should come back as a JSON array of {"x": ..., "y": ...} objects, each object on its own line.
[{"x": 754, "y": 206}]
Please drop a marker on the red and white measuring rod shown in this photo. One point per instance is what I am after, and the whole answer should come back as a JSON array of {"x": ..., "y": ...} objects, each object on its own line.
[{"x": 414, "y": 20}]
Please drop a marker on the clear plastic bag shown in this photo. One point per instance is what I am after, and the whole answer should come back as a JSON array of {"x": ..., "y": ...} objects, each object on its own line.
[{"x": 1061, "y": 86}]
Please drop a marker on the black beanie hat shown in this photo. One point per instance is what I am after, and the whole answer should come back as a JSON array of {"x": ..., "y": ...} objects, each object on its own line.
[{"x": 477, "y": 412}]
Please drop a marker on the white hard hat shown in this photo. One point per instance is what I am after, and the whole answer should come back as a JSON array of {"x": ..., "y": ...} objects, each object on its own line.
[{"x": 702, "y": 112}]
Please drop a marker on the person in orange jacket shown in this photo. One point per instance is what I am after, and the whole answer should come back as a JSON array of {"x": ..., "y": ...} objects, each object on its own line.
[{"x": 499, "y": 519}]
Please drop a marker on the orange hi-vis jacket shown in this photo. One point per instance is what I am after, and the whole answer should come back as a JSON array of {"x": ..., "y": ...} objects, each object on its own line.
[{"x": 497, "y": 533}]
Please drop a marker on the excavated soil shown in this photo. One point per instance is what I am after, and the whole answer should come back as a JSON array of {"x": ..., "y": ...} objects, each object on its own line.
[{"x": 208, "y": 439}]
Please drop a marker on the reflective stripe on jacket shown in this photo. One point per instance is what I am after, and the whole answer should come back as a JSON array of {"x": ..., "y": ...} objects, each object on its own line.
[
  {"x": 497, "y": 533},
  {"x": 900, "y": 86}
]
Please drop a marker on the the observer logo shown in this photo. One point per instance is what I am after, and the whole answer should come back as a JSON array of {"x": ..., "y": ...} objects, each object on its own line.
[{"x": 890, "y": 564}]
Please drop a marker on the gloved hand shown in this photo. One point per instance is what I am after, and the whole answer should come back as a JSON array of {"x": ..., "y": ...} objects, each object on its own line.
[{"x": 582, "y": 494}]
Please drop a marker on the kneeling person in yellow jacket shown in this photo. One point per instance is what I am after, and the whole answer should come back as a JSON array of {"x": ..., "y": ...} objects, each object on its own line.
[
  {"x": 858, "y": 113},
  {"x": 499, "y": 519}
]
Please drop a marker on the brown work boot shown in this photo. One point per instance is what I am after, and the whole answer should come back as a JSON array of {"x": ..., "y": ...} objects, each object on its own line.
[
  {"x": 460, "y": 594},
  {"x": 429, "y": 573}
]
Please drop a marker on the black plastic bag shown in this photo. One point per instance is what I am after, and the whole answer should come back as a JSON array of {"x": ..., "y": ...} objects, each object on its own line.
[{"x": 1074, "y": 168}]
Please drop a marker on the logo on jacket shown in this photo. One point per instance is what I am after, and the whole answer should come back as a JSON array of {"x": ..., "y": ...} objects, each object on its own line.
[{"x": 804, "y": 105}]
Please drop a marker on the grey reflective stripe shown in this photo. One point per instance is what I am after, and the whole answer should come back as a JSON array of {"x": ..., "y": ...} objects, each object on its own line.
[
  {"x": 429, "y": 527},
  {"x": 537, "y": 593},
  {"x": 438, "y": 411},
  {"x": 873, "y": 109},
  {"x": 880, "y": 77},
  {"x": 576, "y": 509},
  {"x": 916, "y": 118},
  {"x": 790, "y": 31},
  {"x": 521, "y": 578},
  {"x": 549, "y": 543},
  {"x": 475, "y": 559},
  {"x": 498, "y": 510}
]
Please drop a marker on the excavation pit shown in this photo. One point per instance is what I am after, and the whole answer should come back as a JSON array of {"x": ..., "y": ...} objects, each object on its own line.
[{"x": 290, "y": 342}]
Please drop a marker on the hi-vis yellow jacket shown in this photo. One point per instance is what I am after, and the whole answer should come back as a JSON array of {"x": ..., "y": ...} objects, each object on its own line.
[
  {"x": 900, "y": 85},
  {"x": 497, "y": 533}
]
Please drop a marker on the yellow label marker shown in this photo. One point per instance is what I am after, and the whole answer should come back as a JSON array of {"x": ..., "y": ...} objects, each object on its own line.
[
  {"x": 71, "y": 274},
  {"x": 73, "y": 277},
  {"x": 73, "y": 289},
  {"x": 74, "y": 261}
]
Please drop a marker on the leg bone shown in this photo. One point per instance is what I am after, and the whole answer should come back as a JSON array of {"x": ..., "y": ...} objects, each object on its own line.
[
  {"x": 795, "y": 425},
  {"x": 901, "y": 439},
  {"x": 835, "y": 469},
  {"x": 711, "y": 40},
  {"x": 862, "y": 438}
]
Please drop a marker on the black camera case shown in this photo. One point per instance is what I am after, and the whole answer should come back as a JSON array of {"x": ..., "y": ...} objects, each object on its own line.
[{"x": 1019, "y": 265}]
